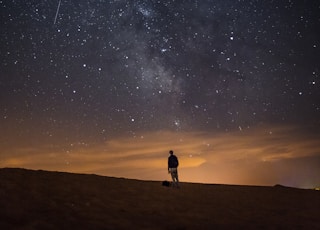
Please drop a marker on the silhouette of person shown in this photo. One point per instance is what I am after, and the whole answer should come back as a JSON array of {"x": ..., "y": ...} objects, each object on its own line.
[{"x": 173, "y": 164}]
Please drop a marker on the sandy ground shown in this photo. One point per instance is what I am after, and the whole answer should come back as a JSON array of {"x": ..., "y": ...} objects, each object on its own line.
[{"x": 55, "y": 200}]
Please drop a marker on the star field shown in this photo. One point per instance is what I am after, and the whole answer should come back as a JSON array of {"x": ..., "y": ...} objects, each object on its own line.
[{"x": 104, "y": 69}]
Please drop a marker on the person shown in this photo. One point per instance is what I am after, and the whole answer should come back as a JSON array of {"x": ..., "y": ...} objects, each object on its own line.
[{"x": 173, "y": 164}]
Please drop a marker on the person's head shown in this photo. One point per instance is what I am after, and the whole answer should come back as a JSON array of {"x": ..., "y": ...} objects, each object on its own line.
[{"x": 171, "y": 152}]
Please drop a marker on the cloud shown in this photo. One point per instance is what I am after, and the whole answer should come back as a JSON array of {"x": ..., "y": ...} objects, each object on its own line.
[{"x": 254, "y": 155}]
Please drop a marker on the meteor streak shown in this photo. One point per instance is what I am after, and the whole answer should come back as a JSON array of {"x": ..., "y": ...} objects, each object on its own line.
[{"x": 55, "y": 18}]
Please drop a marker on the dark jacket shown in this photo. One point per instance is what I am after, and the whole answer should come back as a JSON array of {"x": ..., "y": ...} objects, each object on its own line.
[{"x": 173, "y": 161}]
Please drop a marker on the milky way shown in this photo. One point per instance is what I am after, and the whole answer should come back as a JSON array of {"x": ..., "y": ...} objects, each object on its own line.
[{"x": 90, "y": 71}]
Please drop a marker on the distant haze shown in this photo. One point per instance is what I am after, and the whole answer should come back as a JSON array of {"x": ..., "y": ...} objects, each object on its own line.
[{"x": 265, "y": 155}]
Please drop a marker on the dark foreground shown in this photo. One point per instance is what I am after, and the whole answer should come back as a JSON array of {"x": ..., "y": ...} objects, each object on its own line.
[{"x": 54, "y": 200}]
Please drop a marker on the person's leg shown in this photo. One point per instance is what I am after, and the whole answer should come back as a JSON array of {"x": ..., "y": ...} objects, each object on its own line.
[{"x": 175, "y": 180}]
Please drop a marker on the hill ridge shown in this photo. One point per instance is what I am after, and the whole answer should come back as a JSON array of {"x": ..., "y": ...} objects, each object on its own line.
[{"x": 38, "y": 199}]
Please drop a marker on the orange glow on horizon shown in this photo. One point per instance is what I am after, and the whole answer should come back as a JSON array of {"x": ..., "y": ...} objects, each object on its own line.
[{"x": 261, "y": 156}]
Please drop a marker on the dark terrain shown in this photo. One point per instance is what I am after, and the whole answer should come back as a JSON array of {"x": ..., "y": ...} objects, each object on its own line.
[{"x": 56, "y": 200}]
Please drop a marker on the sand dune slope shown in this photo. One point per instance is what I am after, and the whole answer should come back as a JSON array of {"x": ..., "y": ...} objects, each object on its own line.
[{"x": 55, "y": 200}]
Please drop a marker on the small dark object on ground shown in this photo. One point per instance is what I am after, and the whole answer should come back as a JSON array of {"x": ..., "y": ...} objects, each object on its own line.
[{"x": 166, "y": 183}]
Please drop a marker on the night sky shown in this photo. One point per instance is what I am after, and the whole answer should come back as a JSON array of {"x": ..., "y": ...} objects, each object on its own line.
[{"x": 109, "y": 87}]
